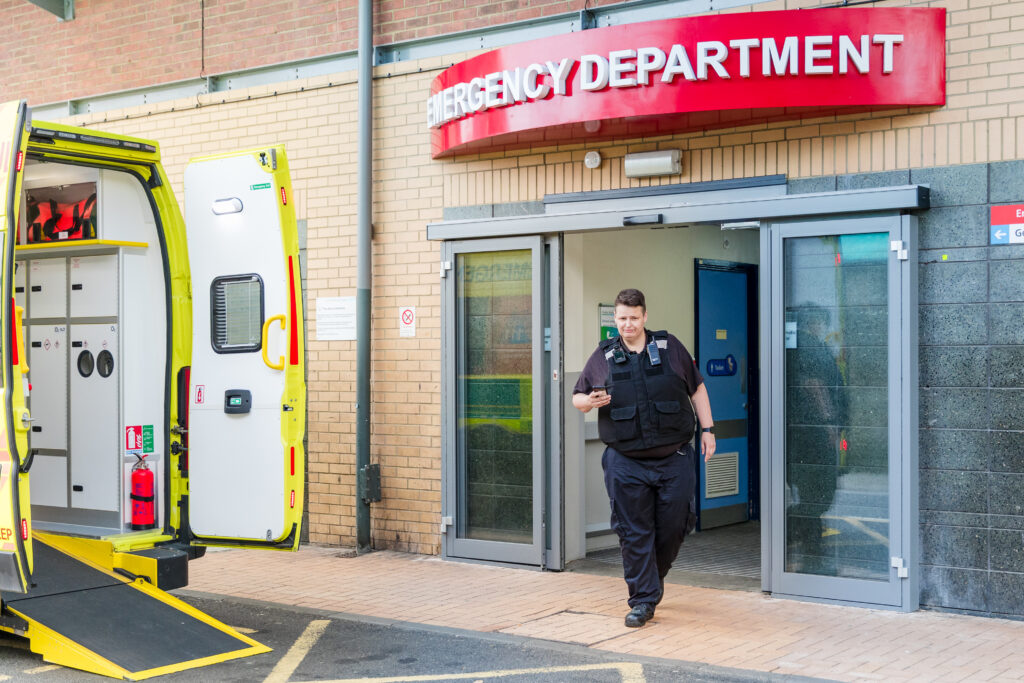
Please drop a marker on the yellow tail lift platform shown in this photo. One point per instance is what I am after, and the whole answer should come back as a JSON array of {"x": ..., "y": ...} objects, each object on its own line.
[{"x": 99, "y": 610}]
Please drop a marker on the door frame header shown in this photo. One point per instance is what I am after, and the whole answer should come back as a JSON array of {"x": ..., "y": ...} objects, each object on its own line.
[{"x": 681, "y": 210}]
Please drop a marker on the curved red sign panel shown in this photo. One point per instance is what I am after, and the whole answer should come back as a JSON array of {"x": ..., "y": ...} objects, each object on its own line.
[{"x": 691, "y": 73}]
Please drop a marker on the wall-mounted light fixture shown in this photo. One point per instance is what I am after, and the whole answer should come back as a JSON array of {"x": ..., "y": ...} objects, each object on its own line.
[
  {"x": 592, "y": 159},
  {"x": 662, "y": 162}
]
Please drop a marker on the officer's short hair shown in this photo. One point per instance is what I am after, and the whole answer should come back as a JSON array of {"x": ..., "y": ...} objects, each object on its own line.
[{"x": 631, "y": 297}]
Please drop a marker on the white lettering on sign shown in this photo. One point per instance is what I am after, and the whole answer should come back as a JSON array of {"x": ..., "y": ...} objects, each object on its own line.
[{"x": 638, "y": 67}]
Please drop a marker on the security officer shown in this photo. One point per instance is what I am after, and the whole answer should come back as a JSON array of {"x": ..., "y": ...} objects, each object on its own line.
[{"x": 642, "y": 383}]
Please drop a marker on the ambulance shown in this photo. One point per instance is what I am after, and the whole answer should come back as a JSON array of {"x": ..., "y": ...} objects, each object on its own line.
[{"x": 153, "y": 390}]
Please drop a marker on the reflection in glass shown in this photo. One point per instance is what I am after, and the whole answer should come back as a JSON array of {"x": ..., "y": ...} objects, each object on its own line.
[
  {"x": 494, "y": 396},
  {"x": 837, "y": 406}
]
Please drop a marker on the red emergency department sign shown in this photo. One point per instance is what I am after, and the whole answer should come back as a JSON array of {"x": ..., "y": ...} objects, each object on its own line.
[{"x": 686, "y": 74}]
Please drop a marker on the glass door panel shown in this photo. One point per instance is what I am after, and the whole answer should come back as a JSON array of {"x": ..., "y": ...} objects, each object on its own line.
[
  {"x": 496, "y": 423},
  {"x": 494, "y": 396},
  {"x": 837, "y": 399},
  {"x": 839, "y": 386}
]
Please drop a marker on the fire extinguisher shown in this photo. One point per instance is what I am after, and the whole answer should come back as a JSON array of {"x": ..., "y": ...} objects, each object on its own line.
[{"x": 143, "y": 495}]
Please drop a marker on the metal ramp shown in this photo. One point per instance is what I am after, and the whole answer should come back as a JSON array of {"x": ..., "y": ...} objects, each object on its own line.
[{"x": 80, "y": 615}]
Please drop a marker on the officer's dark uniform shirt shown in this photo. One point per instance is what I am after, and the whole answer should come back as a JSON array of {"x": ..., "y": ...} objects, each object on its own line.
[{"x": 596, "y": 372}]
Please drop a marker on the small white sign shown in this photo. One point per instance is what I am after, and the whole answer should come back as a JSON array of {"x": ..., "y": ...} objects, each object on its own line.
[
  {"x": 407, "y": 321},
  {"x": 790, "y": 335},
  {"x": 336, "y": 318}
]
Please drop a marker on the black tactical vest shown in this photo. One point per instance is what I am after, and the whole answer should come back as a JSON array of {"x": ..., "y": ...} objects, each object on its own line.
[{"x": 650, "y": 405}]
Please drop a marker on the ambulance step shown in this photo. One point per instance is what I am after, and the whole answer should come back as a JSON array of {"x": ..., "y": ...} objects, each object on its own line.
[{"x": 81, "y": 617}]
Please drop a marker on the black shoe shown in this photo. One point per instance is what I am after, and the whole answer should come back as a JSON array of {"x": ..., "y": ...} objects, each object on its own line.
[{"x": 639, "y": 615}]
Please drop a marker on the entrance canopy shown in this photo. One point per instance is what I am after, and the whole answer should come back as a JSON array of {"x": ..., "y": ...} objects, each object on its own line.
[{"x": 687, "y": 208}]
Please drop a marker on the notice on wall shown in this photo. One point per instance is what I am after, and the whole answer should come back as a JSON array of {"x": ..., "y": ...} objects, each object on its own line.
[
  {"x": 336, "y": 318},
  {"x": 406, "y": 321},
  {"x": 607, "y": 314}
]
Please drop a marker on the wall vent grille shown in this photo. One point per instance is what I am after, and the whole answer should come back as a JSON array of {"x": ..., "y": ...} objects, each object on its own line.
[{"x": 722, "y": 475}]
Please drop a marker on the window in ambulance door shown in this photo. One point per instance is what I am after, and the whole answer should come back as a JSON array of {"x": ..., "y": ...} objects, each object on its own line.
[{"x": 236, "y": 309}]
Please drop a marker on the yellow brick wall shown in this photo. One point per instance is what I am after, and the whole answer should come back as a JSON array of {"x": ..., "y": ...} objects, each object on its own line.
[{"x": 316, "y": 118}]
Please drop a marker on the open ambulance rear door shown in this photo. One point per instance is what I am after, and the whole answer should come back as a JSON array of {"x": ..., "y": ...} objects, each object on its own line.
[
  {"x": 247, "y": 397},
  {"x": 15, "y": 511}
]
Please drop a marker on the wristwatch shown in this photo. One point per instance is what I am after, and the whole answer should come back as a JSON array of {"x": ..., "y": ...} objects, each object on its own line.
[{"x": 709, "y": 430}]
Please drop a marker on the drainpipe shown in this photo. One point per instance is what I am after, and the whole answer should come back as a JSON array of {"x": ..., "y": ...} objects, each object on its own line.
[{"x": 364, "y": 274}]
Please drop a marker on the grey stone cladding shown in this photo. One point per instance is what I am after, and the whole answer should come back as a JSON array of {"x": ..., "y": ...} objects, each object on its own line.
[{"x": 971, "y": 320}]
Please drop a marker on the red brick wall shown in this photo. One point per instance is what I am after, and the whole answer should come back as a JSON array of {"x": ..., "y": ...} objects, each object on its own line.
[
  {"x": 400, "y": 20},
  {"x": 114, "y": 45}
]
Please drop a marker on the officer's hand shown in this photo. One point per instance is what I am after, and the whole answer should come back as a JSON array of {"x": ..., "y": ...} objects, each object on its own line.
[
  {"x": 707, "y": 445},
  {"x": 599, "y": 398}
]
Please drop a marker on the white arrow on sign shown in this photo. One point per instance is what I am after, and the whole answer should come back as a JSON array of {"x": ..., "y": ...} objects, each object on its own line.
[{"x": 1000, "y": 234}]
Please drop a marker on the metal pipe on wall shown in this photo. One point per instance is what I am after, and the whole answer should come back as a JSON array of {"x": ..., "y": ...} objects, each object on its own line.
[{"x": 364, "y": 272}]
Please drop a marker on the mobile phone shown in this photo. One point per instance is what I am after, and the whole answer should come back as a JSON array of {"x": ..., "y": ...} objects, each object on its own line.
[{"x": 600, "y": 387}]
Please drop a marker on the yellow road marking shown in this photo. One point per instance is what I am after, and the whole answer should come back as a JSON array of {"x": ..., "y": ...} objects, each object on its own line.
[
  {"x": 43, "y": 669},
  {"x": 631, "y": 672},
  {"x": 4, "y": 677},
  {"x": 243, "y": 629},
  {"x": 290, "y": 662}
]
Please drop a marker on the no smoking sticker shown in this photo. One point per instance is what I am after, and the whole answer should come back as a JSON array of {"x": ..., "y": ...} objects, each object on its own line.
[{"x": 407, "y": 321}]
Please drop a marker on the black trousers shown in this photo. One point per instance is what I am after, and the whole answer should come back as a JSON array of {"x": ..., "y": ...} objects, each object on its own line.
[{"x": 653, "y": 508}]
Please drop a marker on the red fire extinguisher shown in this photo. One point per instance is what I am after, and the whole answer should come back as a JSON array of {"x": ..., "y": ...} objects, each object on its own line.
[{"x": 143, "y": 495}]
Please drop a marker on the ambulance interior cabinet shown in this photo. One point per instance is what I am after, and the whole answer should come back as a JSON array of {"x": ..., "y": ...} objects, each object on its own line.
[
  {"x": 73, "y": 344},
  {"x": 95, "y": 418}
]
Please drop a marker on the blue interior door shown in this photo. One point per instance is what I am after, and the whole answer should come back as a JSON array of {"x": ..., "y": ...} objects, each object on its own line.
[{"x": 723, "y": 359}]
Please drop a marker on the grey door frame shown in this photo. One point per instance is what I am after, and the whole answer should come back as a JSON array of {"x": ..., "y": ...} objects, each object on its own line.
[
  {"x": 554, "y": 386},
  {"x": 901, "y": 591},
  {"x": 452, "y": 505}
]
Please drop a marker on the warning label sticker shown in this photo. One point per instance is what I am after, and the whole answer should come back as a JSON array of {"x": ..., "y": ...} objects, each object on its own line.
[
  {"x": 133, "y": 438},
  {"x": 138, "y": 438},
  {"x": 200, "y": 394}
]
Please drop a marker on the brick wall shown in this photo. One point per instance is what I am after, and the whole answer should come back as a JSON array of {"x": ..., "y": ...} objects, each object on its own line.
[
  {"x": 114, "y": 45},
  {"x": 315, "y": 125}
]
